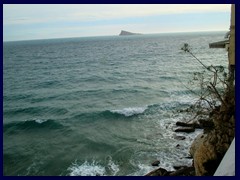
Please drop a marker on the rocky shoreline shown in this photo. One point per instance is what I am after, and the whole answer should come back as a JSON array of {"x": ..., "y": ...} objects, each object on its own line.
[
  {"x": 208, "y": 148},
  {"x": 179, "y": 170}
]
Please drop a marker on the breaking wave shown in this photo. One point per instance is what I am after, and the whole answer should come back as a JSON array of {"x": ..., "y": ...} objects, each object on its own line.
[
  {"x": 93, "y": 169},
  {"x": 130, "y": 111}
]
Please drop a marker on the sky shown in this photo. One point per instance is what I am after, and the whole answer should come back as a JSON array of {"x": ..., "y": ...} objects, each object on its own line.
[{"x": 47, "y": 21}]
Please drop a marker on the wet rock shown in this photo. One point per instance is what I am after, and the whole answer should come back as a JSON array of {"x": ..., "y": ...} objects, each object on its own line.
[
  {"x": 156, "y": 163},
  {"x": 186, "y": 129},
  {"x": 158, "y": 172},
  {"x": 179, "y": 167},
  {"x": 205, "y": 123},
  {"x": 179, "y": 137},
  {"x": 184, "y": 171},
  {"x": 183, "y": 124},
  {"x": 188, "y": 157}
]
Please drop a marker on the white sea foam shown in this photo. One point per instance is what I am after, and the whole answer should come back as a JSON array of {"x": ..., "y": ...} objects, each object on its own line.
[
  {"x": 114, "y": 168},
  {"x": 143, "y": 169},
  {"x": 130, "y": 111},
  {"x": 93, "y": 169},
  {"x": 40, "y": 121},
  {"x": 86, "y": 169}
]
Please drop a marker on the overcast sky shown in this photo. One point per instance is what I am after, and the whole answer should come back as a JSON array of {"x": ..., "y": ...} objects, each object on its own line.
[{"x": 25, "y": 22}]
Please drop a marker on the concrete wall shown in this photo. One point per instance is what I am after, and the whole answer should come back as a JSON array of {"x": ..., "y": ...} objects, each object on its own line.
[{"x": 227, "y": 165}]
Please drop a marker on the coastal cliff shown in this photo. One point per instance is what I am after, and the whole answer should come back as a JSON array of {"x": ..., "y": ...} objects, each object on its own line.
[
  {"x": 209, "y": 148},
  {"x": 127, "y": 33}
]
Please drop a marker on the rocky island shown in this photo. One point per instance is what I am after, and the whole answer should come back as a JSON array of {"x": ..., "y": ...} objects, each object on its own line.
[{"x": 127, "y": 33}]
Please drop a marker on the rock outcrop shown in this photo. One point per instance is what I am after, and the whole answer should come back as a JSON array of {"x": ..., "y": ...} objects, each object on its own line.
[
  {"x": 181, "y": 171},
  {"x": 156, "y": 163},
  {"x": 185, "y": 129},
  {"x": 208, "y": 149}
]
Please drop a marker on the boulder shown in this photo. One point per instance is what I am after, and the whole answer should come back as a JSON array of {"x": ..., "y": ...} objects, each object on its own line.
[
  {"x": 179, "y": 167},
  {"x": 184, "y": 171},
  {"x": 194, "y": 125},
  {"x": 179, "y": 137},
  {"x": 196, "y": 143},
  {"x": 206, "y": 123},
  {"x": 185, "y": 129},
  {"x": 156, "y": 163},
  {"x": 179, "y": 123},
  {"x": 158, "y": 172}
]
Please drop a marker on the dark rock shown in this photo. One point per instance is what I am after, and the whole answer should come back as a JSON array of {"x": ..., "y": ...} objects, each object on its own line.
[
  {"x": 197, "y": 126},
  {"x": 179, "y": 167},
  {"x": 156, "y": 163},
  {"x": 179, "y": 137},
  {"x": 194, "y": 125},
  {"x": 189, "y": 157},
  {"x": 178, "y": 145},
  {"x": 184, "y": 171},
  {"x": 179, "y": 123},
  {"x": 206, "y": 123},
  {"x": 186, "y": 129},
  {"x": 158, "y": 172}
]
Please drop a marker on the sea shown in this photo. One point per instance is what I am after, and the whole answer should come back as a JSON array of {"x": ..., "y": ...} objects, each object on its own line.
[{"x": 100, "y": 106}]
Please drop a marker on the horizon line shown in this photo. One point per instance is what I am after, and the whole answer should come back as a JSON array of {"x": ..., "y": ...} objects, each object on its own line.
[{"x": 116, "y": 35}]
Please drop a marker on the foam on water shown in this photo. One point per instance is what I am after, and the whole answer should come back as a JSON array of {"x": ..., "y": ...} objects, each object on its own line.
[
  {"x": 130, "y": 111},
  {"x": 86, "y": 169},
  {"x": 114, "y": 168},
  {"x": 40, "y": 121},
  {"x": 143, "y": 169},
  {"x": 94, "y": 168}
]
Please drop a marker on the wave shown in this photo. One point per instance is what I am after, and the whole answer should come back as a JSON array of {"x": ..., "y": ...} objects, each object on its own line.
[
  {"x": 130, "y": 111},
  {"x": 111, "y": 114},
  {"x": 93, "y": 169},
  {"x": 14, "y": 127},
  {"x": 86, "y": 169}
]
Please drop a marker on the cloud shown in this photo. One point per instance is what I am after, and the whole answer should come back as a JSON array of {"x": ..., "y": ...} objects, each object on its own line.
[
  {"x": 33, "y": 21},
  {"x": 33, "y": 14}
]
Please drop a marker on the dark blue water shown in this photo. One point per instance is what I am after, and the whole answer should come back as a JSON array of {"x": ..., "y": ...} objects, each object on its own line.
[{"x": 99, "y": 105}]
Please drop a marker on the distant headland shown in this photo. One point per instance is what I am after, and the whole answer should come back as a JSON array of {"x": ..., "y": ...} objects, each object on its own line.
[{"x": 127, "y": 33}]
